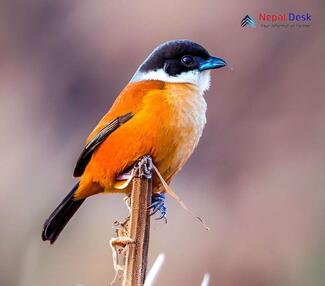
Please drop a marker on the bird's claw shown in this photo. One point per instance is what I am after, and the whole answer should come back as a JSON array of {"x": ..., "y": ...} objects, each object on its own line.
[{"x": 158, "y": 205}]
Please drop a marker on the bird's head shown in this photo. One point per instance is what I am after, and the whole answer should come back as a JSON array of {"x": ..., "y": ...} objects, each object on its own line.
[{"x": 179, "y": 61}]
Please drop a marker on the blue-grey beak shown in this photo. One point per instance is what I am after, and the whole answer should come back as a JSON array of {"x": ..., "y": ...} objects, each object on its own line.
[{"x": 211, "y": 63}]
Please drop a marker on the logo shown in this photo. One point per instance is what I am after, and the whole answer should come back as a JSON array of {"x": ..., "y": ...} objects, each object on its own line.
[
  {"x": 285, "y": 20},
  {"x": 278, "y": 20},
  {"x": 248, "y": 20}
]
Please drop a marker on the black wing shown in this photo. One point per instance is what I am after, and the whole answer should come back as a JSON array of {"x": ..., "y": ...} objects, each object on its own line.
[{"x": 98, "y": 139}]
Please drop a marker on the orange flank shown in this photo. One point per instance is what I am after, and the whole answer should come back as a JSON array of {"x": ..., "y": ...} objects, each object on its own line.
[{"x": 167, "y": 124}]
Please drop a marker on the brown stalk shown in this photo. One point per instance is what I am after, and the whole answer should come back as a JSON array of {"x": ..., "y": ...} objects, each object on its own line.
[{"x": 139, "y": 225}]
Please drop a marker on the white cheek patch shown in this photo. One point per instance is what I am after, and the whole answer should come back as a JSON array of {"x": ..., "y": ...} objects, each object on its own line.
[{"x": 200, "y": 79}]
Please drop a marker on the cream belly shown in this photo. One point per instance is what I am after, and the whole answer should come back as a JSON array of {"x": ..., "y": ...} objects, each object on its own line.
[{"x": 189, "y": 119}]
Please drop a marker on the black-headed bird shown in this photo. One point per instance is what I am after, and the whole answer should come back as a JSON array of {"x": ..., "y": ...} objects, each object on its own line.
[{"x": 161, "y": 112}]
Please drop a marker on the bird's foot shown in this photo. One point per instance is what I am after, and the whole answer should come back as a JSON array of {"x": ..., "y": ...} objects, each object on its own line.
[{"x": 158, "y": 205}]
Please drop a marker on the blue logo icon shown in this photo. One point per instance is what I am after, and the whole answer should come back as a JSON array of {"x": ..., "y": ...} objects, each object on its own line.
[{"x": 248, "y": 20}]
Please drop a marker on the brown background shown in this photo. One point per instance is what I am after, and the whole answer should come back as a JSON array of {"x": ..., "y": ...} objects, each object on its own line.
[{"x": 257, "y": 176}]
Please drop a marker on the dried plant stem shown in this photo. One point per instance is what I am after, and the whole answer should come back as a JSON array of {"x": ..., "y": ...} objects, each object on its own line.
[{"x": 139, "y": 225}]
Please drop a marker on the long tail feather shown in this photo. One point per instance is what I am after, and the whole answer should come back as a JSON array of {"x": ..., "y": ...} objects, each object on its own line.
[{"x": 60, "y": 216}]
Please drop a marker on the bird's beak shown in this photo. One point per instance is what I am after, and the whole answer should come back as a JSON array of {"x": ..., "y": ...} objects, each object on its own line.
[{"x": 211, "y": 63}]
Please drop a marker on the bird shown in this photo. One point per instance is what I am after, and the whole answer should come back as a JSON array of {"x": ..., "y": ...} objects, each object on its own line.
[{"x": 161, "y": 112}]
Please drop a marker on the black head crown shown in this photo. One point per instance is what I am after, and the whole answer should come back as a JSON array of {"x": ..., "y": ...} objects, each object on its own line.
[{"x": 178, "y": 56}]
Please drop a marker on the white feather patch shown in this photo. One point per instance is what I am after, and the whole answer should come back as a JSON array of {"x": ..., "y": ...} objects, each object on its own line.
[{"x": 200, "y": 79}]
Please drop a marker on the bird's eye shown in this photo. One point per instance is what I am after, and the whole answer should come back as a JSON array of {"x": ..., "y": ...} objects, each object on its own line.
[{"x": 187, "y": 60}]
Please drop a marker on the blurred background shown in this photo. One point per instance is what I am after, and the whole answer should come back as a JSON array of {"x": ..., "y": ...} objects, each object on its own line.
[{"x": 257, "y": 176}]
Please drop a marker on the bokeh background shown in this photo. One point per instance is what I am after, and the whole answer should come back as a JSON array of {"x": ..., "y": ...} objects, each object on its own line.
[{"x": 257, "y": 176}]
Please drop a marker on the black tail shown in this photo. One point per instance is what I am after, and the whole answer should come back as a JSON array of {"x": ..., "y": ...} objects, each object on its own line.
[{"x": 60, "y": 216}]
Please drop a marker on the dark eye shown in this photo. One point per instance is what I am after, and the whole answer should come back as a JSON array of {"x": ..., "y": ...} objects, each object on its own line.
[{"x": 187, "y": 60}]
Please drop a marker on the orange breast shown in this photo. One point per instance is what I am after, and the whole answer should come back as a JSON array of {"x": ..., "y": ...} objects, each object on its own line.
[{"x": 167, "y": 124}]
